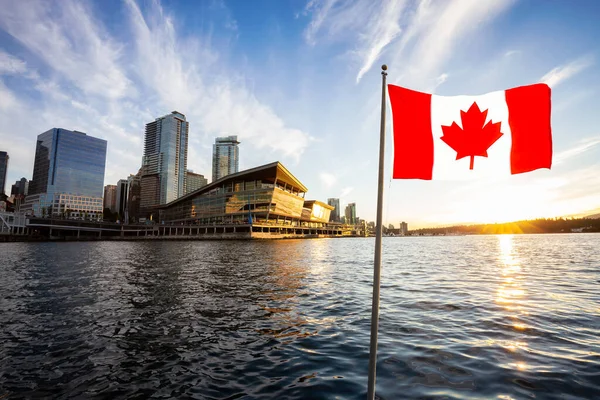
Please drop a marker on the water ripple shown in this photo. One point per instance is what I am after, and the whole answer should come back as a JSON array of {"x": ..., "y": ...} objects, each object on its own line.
[{"x": 505, "y": 317}]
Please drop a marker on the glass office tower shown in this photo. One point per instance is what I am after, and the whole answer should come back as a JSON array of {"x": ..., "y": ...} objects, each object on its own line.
[
  {"x": 165, "y": 160},
  {"x": 3, "y": 169},
  {"x": 68, "y": 175}
]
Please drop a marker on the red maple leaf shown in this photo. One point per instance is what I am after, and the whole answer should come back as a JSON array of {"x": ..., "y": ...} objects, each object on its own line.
[{"x": 475, "y": 138}]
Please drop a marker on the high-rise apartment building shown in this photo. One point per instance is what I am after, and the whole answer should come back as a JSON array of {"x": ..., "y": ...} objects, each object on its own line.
[
  {"x": 165, "y": 160},
  {"x": 194, "y": 181},
  {"x": 335, "y": 214},
  {"x": 351, "y": 214},
  {"x": 21, "y": 187},
  {"x": 68, "y": 175},
  {"x": 110, "y": 197},
  {"x": 403, "y": 228},
  {"x": 121, "y": 197},
  {"x": 132, "y": 212},
  {"x": 226, "y": 157},
  {"x": 3, "y": 169}
]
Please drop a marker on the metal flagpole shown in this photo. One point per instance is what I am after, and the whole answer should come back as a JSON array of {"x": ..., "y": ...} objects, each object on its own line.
[{"x": 377, "y": 267}]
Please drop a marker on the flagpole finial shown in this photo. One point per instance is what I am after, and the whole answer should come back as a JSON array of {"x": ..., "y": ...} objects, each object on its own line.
[{"x": 384, "y": 67}]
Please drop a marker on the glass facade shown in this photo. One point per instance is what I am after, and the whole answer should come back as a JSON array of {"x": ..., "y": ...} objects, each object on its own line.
[
  {"x": 165, "y": 157},
  {"x": 260, "y": 195},
  {"x": 194, "y": 182},
  {"x": 3, "y": 170},
  {"x": 335, "y": 213},
  {"x": 68, "y": 163},
  {"x": 226, "y": 157}
]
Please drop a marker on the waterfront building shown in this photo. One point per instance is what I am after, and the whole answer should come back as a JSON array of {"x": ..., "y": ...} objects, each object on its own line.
[
  {"x": 132, "y": 212},
  {"x": 268, "y": 194},
  {"x": 21, "y": 187},
  {"x": 335, "y": 213},
  {"x": 194, "y": 181},
  {"x": 316, "y": 211},
  {"x": 165, "y": 160},
  {"x": 225, "y": 157},
  {"x": 3, "y": 170},
  {"x": 403, "y": 228},
  {"x": 110, "y": 197},
  {"x": 68, "y": 175},
  {"x": 350, "y": 214},
  {"x": 121, "y": 198}
]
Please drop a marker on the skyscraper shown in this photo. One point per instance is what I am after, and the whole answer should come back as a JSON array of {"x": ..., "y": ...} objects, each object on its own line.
[
  {"x": 351, "y": 214},
  {"x": 3, "y": 168},
  {"x": 132, "y": 212},
  {"x": 165, "y": 160},
  {"x": 226, "y": 158},
  {"x": 121, "y": 197},
  {"x": 21, "y": 187},
  {"x": 403, "y": 228},
  {"x": 68, "y": 175},
  {"x": 194, "y": 181},
  {"x": 110, "y": 197},
  {"x": 335, "y": 214}
]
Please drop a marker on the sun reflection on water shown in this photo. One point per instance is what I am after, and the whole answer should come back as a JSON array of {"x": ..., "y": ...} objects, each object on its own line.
[{"x": 511, "y": 295}]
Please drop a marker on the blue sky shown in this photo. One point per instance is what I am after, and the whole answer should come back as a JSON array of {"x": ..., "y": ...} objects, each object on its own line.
[{"x": 299, "y": 82}]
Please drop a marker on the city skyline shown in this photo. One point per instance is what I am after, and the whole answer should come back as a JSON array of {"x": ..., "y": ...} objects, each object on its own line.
[{"x": 307, "y": 91}]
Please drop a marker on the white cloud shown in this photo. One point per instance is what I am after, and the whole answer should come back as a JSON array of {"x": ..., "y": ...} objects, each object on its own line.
[
  {"x": 327, "y": 179},
  {"x": 436, "y": 30},
  {"x": 418, "y": 36},
  {"x": 372, "y": 25},
  {"x": 10, "y": 64},
  {"x": 582, "y": 147},
  {"x": 319, "y": 9},
  {"x": 346, "y": 191},
  {"x": 512, "y": 53},
  {"x": 564, "y": 72},
  {"x": 441, "y": 79},
  {"x": 8, "y": 99},
  {"x": 67, "y": 38},
  {"x": 185, "y": 77}
]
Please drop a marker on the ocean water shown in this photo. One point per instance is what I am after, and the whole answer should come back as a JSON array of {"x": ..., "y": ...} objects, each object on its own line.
[{"x": 470, "y": 317}]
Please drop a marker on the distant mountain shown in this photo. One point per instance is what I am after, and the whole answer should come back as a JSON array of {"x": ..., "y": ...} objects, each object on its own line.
[{"x": 593, "y": 216}]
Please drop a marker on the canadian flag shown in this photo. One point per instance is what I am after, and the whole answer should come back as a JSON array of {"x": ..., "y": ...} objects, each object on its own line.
[{"x": 457, "y": 137}]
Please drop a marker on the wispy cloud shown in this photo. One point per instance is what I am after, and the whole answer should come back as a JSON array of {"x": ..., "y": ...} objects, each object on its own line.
[
  {"x": 346, "y": 191},
  {"x": 582, "y": 147},
  {"x": 185, "y": 76},
  {"x": 441, "y": 79},
  {"x": 319, "y": 10},
  {"x": 71, "y": 42},
  {"x": 327, "y": 179},
  {"x": 372, "y": 25},
  {"x": 420, "y": 36},
  {"x": 8, "y": 99},
  {"x": 564, "y": 72},
  {"x": 10, "y": 64},
  {"x": 435, "y": 32}
]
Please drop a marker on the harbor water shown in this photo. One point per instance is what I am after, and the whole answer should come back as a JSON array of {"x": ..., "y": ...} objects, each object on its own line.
[{"x": 468, "y": 317}]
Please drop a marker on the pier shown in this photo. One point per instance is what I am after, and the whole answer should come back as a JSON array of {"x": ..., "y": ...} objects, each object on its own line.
[{"x": 17, "y": 227}]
